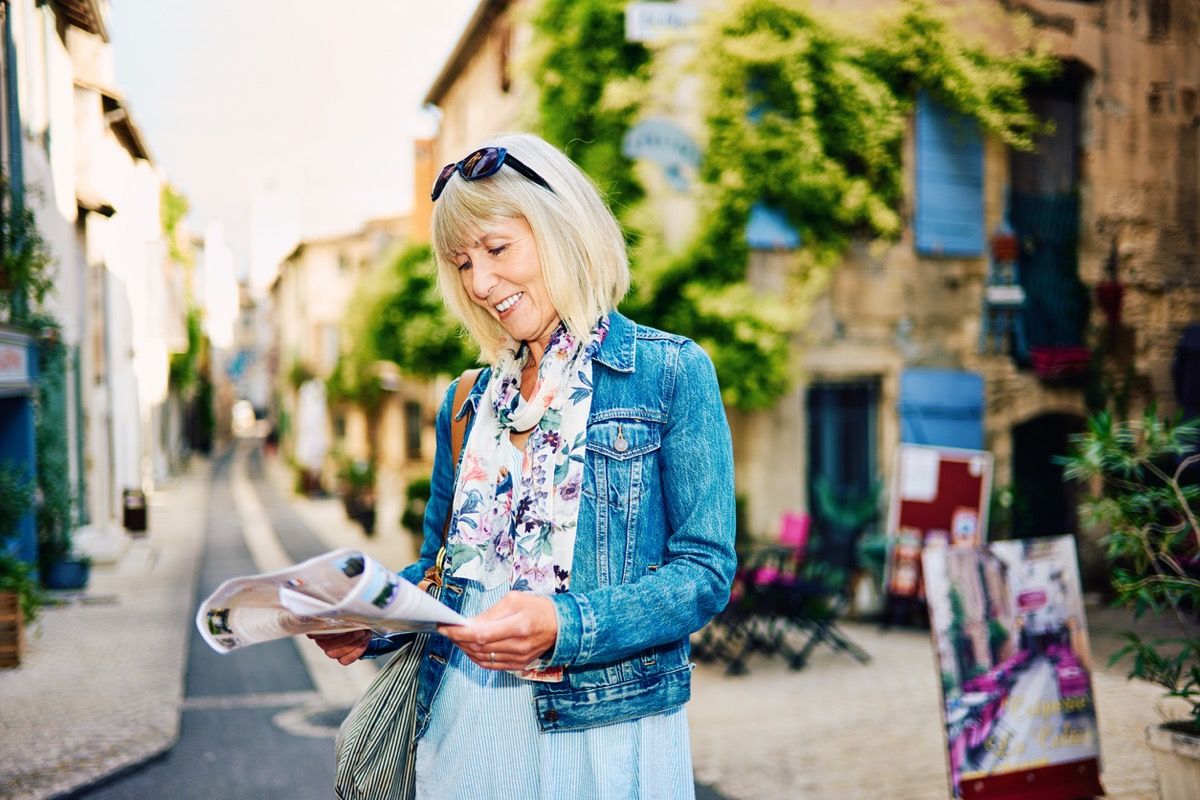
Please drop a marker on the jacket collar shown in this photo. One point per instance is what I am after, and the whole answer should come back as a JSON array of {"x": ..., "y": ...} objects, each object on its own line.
[
  {"x": 616, "y": 352},
  {"x": 619, "y": 346}
]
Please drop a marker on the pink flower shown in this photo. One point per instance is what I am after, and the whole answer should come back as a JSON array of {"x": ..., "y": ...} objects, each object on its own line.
[{"x": 473, "y": 468}]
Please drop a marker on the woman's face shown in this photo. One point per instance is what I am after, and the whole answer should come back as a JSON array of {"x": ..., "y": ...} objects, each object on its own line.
[{"x": 502, "y": 274}]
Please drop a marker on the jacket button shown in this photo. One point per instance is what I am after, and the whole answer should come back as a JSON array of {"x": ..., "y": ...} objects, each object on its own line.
[{"x": 551, "y": 716}]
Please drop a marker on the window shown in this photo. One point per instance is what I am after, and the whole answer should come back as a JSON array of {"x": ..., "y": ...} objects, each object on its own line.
[
  {"x": 948, "y": 214},
  {"x": 329, "y": 347},
  {"x": 841, "y": 463},
  {"x": 1044, "y": 208},
  {"x": 412, "y": 429}
]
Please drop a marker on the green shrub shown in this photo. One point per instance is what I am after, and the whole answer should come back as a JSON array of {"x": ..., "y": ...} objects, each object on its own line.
[{"x": 1148, "y": 504}]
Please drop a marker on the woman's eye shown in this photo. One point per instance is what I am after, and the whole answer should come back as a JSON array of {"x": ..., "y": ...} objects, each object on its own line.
[
  {"x": 466, "y": 265},
  {"x": 498, "y": 249}
]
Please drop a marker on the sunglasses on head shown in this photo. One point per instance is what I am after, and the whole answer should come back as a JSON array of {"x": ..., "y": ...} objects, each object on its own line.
[{"x": 484, "y": 163}]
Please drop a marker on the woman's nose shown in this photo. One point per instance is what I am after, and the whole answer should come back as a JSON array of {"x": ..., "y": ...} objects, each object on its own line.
[{"x": 483, "y": 280}]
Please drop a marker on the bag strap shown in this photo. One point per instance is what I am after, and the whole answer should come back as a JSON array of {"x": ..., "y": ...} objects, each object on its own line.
[
  {"x": 458, "y": 433},
  {"x": 458, "y": 428}
]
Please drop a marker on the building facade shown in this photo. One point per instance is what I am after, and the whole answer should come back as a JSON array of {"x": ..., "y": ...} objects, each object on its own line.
[{"x": 930, "y": 340}]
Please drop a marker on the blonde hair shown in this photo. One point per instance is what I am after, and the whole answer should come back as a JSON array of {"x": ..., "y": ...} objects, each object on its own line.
[{"x": 579, "y": 243}]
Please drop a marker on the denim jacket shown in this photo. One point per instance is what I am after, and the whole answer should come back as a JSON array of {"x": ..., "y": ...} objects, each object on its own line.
[{"x": 654, "y": 552}]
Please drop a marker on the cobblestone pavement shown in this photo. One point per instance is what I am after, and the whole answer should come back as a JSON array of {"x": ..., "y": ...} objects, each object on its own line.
[{"x": 99, "y": 688}]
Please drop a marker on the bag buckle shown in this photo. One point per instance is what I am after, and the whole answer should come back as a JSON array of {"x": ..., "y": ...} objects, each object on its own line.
[{"x": 434, "y": 573}]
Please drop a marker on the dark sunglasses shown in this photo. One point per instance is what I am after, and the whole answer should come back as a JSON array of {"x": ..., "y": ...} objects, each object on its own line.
[{"x": 484, "y": 163}]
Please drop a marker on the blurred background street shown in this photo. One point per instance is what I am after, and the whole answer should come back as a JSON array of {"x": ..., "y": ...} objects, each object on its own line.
[{"x": 942, "y": 253}]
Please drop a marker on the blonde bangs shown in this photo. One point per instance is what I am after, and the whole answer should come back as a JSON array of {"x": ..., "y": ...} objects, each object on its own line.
[{"x": 579, "y": 242}]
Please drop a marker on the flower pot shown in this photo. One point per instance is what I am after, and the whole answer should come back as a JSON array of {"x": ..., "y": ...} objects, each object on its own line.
[
  {"x": 67, "y": 574},
  {"x": 12, "y": 630},
  {"x": 1177, "y": 759}
]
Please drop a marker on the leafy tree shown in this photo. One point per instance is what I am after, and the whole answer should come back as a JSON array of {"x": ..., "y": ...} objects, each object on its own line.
[{"x": 411, "y": 327}]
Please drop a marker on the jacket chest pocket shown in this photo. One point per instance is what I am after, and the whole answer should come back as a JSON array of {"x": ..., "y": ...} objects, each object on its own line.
[{"x": 621, "y": 457}]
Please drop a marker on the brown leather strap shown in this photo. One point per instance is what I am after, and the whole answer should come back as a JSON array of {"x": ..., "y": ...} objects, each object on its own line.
[
  {"x": 458, "y": 427},
  {"x": 458, "y": 432}
]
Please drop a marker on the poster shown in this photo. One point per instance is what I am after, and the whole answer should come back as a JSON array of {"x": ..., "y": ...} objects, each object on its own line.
[
  {"x": 940, "y": 495},
  {"x": 1015, "y": 663}
]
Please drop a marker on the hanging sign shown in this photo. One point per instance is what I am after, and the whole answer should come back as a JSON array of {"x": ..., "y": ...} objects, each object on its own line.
[
  {"x": 939, "y": 495},
  {"x": 1012, "y": 648},
  {"x": 666, "y": 144},
  {"x": 648, "y": 22}
]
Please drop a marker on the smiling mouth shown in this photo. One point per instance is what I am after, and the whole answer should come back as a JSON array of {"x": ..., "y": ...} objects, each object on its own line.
[{"x": 509, "y": 302}]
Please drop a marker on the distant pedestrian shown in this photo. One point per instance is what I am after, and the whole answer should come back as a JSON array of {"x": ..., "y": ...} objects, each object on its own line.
[{"x": 593, "y": 508}]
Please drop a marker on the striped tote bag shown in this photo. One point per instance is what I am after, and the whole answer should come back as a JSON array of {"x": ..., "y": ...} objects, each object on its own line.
[{"x": 376, "y": 745}]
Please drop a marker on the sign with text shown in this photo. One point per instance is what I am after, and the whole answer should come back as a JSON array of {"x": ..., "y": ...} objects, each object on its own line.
[
  {"x": 1012, "y": 647},
  {"x": 939, "y": 495},
  {"x": 666, "y": 144},
  {"x": 648, "y": 22}
]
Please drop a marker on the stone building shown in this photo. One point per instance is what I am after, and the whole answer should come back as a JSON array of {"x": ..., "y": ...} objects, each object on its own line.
[
  {"x": 927, "y": 340},
  {"x": 312, "y": 301}
]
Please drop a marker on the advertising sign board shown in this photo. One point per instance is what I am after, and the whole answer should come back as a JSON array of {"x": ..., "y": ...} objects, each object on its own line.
[{"x": 1012, "y": 646}]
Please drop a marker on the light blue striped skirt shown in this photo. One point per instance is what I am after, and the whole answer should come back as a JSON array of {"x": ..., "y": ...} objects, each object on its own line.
[{"x": 483, "y": 741}]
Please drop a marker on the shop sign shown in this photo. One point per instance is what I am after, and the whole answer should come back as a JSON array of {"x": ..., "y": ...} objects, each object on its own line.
[
  {"x": 14, "y": 363},
  {"x": 648, "y": 22},
  {"x": 667, "y": 145}
]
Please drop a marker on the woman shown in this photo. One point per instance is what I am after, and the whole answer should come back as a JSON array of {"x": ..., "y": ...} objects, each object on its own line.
[{"x": 593, "y": 512}]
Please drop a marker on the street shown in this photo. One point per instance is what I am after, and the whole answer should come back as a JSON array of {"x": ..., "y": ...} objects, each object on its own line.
[{"x": 254, "y": 723}]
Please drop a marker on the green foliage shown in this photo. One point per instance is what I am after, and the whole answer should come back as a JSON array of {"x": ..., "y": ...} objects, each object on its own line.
[
  {"x": 801, "y": 115},
  {"x": 172, "y": 209},
  {"x": 410, "y": 326},
  {"x": 299, "y": 374},
  {"x": 54, "y": 517},
  {"x": 997, "y": 635},
  {"x": 583, "y": 63},
  {"x": 357, "y": 475},
  {"x": 416, "y": 497},
  {"x": 1148, "y": 504},
  {"x": 17, "y": 576},
  {"x": 16, "y": 498},
  {"x": 26, "y": 265},
  {"x": 183, "y": 369}
]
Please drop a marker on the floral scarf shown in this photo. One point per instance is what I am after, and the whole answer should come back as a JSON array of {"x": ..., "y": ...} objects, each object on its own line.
[{"x": 529, "y": 544}]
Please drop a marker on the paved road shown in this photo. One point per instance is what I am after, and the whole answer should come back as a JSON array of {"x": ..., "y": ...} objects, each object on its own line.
[
  {"x": 253, "y": 725},
  {"x": 230, "y": 747}
]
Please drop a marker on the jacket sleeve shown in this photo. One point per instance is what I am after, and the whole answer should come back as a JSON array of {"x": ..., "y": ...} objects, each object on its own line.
[
  {"x": 441, "y": 493},
  {"x": 693, "y": 583}
]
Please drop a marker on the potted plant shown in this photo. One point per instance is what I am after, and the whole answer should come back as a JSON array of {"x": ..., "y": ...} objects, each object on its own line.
[
  {"x": 356, "y": 480},
  {"x": 1148, "y": 501},
  {"x": 19, "y": 598},
  {"x": 59, "y": 566}
]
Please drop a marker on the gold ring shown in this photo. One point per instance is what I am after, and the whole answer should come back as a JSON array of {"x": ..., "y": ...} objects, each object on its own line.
[{"x": 492, "y": 657}]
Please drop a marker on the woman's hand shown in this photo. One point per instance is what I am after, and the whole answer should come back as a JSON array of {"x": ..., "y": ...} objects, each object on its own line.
[
  {"x": 510, "y": 635},
  {"x": 346, "y": 648}
]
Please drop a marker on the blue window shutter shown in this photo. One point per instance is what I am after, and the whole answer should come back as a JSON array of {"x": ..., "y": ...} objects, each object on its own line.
[
  {"x": 949, "y": 182},
  {"x": 769, "y": 229},
  {"x": 941, "y": 408}
]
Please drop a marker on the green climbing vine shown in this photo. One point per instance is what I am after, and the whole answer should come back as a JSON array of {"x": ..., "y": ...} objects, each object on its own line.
[
  {"x": 400, "y": 318},
  {"x": 586, "y": 75},
  {"x": 803, "y": 116}
]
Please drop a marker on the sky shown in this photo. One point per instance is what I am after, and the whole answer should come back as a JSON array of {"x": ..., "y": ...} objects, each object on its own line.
[{"x": 299, "y": 114}]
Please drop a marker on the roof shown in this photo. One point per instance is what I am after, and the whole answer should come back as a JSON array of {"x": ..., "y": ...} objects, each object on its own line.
[
  {"x": 476, "y": 29},
  {"x": 116, "y": 112},
  {"x": 83, "y": 14}
]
